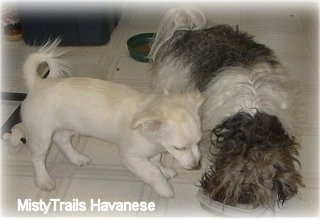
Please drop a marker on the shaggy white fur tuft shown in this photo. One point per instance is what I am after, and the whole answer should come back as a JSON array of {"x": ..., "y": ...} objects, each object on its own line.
[
  {"x": 46, "y": 54},
  {"x": 184, "y": 18},
  {"x": 262, "y": 87},
  {"x": 174, "y": 76}
]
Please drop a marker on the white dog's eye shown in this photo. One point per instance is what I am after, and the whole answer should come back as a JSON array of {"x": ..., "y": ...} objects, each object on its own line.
[{"x": 179, "y": 149}]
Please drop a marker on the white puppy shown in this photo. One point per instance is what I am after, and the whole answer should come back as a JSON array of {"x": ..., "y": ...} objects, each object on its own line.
[{"x": 143, "y": 125}]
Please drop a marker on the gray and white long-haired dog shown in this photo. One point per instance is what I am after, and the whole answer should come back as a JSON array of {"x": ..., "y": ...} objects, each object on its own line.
[{"x": 250, "y": 113}]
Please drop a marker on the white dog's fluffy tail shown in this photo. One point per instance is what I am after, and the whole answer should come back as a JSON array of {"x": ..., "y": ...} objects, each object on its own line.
[
  {"x": 183, "y": 18},
  {"x": 48, "y": 54}
]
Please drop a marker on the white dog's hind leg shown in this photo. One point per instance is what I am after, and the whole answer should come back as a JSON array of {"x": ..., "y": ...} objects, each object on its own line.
[
  {"x": 63, "y": 140},
  {"x": 168, "y": 172},
  {"x": 39, "y": 146},
  {"x": 150, "y": 174}
]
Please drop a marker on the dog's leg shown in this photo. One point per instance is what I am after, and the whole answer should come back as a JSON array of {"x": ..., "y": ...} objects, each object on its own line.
[
  {"x": 150, "y": 174},
  {"x": 39, "y": 146},
  {"x": 168, "y": 172},
  {"x": 63, "y": 140}
]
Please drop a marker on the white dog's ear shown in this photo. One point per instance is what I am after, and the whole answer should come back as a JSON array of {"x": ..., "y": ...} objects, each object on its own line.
[
  {"x": 148, "y": 123},
  {"x": 195, "y": 98}
]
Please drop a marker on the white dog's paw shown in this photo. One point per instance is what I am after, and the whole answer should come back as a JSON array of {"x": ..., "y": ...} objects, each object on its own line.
[
  {"x": 79, "y": 159},
  {"x": 164, "y": 190},
  {"x": 46, "y": 184},
  {"x": 169, "y": 172}
]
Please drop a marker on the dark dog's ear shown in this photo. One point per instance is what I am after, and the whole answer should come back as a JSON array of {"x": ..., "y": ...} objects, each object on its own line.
[
  {"x": 148, "y": 123},
  {"x": 288, "y": 179},
  {"x": 287, "y": 186}
]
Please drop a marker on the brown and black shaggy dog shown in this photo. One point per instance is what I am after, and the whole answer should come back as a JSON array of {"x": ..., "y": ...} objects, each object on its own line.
[{"x": 250, "y": 114}]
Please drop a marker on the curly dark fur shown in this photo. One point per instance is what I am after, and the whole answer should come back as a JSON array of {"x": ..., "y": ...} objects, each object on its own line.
[
  {"x": 221, "y": 45},
  {"x": 254, "y": 162}
]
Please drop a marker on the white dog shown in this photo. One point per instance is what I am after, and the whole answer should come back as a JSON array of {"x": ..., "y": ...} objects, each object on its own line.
[{"x": 143, "y": 125}]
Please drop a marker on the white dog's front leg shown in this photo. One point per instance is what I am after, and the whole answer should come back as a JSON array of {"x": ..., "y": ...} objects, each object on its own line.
[
  {"x": 168, "y": 172},
  {"x": 150, "y": 174},
  {"x": 43, "y": 179}
]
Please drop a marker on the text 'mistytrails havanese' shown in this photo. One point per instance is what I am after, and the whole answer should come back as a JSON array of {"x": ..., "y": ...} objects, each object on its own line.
[{"x": 250, "y": 114}]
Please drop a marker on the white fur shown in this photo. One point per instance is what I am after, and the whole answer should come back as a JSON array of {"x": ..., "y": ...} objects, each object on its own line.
[
  {"x": 143, "y": 125},
  {"x": 46, "y": 54},
  {"x": 173, "y": 76},
  {"x": 183, "y": 18},
  {"x": 261, "y": 87},
  {"x": 235, "y": 89}
]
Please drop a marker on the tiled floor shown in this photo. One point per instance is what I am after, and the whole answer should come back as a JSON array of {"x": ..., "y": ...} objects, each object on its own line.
[{"x": 289, "y": 29}]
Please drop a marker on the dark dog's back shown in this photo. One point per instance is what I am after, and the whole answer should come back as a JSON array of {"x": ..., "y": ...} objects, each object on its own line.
[{"x": 212, "y": 49}]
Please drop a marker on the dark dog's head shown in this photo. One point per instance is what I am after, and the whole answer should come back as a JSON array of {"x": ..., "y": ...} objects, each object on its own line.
[{"x": 254, "y": 162}]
